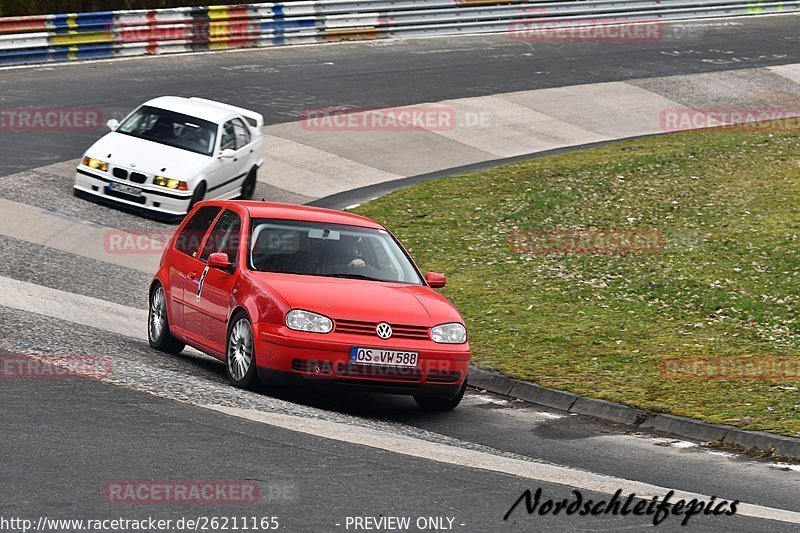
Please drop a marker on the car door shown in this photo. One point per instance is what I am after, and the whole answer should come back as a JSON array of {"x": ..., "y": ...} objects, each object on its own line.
[
  {"x": 185, "y": 266},
  {"x": 249, "y": 144},
  {"x": 209, "y": 310},
  {"x": 227, "y": 174}
]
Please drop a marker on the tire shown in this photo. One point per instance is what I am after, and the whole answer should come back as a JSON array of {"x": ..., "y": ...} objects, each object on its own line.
[
  {"x": 441, "y": 403},
  {"x": 198, "y": 196},
  {"x": 158, "y": 333},
  {"x": 249, "y": 184},
  {"x": 240, "y": 354}
]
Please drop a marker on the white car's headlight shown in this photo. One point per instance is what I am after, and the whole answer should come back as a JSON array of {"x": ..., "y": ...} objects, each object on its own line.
[
  {"x": 170, "y": 183},
  {"x": 453, "y": 333},
  {"x": 95, "y": 164},
  {"x": 300, "y": 320}
]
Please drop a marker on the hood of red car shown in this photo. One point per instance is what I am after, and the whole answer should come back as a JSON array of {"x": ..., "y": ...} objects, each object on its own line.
[{"x": 373, "y": 301}]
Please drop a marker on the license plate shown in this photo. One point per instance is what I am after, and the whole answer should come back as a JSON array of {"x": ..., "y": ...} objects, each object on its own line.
[
  {"x": 125, "y": 189},
  {"x": 379, "y": 356}
]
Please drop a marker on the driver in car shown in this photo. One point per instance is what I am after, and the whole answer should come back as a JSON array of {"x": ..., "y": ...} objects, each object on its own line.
[{"x": 344, "y": 256}]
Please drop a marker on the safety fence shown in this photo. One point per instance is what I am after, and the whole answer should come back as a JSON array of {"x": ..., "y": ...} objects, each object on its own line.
[{"x": 106, "y": 34}]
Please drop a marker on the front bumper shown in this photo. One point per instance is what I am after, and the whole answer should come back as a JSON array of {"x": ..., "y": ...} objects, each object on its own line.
[
  {"x": 324, "y": 360},
  {"x": 158, "y": 201}
]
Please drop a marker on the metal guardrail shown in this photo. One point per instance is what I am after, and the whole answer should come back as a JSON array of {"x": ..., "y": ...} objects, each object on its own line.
[{"x": 106, "y": 34}]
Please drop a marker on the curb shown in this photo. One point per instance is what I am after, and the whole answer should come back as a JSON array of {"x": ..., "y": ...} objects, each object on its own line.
[
  {"x": 342, "y": 200},
  {"x": 760, "y": 441}
]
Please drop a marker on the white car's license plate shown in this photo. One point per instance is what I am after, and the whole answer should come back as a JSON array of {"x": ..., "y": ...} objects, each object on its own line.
[
  {"x": 125, "y": 189},
  {"x": 379, "y": 356}
]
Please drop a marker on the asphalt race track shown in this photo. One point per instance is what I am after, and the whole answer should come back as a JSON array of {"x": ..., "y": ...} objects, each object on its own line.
[
  {"x": 282, "y": 82},
  {"x": 318, "y": 460}
]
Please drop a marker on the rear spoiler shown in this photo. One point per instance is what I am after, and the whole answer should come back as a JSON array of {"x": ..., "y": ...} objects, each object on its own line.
[{"x": 256, "y": 120}]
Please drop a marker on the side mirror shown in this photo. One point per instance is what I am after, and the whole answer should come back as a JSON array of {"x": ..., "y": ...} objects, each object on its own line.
[
  {"x": 112, "y": 124},
  {"x": 227, "y": 154},
  {"x": 219, "y": 260},
  {"x": 435, "y": 280}
]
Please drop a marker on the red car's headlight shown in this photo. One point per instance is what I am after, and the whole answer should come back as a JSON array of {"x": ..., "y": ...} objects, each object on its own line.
[
  {"x": 452, "y": 333},
  {"x": 300, "y": 320}
]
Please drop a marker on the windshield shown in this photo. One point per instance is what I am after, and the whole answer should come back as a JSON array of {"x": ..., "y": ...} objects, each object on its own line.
[
  {"x": 333, "y": 250},
  {"x": 172, "y": 129}
]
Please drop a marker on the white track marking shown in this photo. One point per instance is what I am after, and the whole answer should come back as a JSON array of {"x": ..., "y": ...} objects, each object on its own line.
[
  {"x": 299, "y": 166},
  {"x": 454, "y": 455},
  {"x": 37, "y": 226},
  {"x": 75, "y": 308}
]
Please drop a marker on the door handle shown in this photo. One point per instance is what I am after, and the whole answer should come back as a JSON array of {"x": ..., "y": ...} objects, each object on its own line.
[{"x": 192, "y": 275}]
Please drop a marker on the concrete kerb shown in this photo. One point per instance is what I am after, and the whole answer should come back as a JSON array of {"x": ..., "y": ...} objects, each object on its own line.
[{"x": 760, "y": 441}]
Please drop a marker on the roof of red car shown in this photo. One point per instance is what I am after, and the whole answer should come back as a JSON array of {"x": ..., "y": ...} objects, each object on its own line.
[{"x": 303, "y": 212}]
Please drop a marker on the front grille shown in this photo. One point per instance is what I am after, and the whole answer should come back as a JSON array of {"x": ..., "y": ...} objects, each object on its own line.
[
  {"x": 399, "y": 331},
  {"x": 120, "y": 173},
  {"x": 379, "y": 372},
  {"x": 137, "y": 177}
]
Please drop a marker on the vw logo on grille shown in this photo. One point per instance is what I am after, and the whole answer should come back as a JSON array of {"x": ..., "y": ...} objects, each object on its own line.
[{"x": 384, "y": 330}]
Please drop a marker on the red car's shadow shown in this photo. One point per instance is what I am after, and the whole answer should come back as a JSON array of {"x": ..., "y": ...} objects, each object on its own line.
[{"x": 340, "y": 399}]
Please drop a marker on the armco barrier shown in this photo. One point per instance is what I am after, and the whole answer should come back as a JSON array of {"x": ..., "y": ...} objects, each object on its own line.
[{"x": 106, "y": 34}]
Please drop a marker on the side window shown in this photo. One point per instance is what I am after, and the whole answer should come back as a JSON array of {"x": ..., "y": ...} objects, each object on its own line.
[
  {"x": 190, "y": 237},
  {"x": 242, "y": 133},
  {"x": 228, "y": 139},
  {"x": 224, "y": 237}
]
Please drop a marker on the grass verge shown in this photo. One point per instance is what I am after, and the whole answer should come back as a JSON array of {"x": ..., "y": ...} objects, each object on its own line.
[{"x": 724, "y": 283}]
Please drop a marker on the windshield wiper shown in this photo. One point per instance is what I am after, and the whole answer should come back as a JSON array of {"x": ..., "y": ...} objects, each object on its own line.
[{"x": 354, "y": 276}]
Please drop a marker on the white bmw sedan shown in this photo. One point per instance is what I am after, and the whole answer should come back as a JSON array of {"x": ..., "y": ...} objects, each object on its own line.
[{"x": 171, "y": 153}]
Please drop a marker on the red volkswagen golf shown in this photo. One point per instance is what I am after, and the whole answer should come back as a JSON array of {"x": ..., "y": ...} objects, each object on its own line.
[{"x": 312, "y": 294}]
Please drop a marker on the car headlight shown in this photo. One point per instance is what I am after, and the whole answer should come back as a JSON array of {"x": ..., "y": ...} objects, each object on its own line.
[
  {"x": 300, "y": 320},
  {"x": 170, "y": 183},
  {"x": 453, "y": 333},
  {"x": 96, "y": 164}
]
